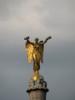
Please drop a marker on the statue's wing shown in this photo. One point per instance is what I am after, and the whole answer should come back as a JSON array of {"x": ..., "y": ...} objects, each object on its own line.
[
  {"x": 29, "y": 51},
  {"x": 41, "y": 50}
]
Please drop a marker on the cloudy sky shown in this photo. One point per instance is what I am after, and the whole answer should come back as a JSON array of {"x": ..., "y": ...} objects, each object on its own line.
[{"x": 37, "y": 18}]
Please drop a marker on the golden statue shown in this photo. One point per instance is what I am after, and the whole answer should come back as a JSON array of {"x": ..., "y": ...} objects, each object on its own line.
[{"x": 34, "y": 51}]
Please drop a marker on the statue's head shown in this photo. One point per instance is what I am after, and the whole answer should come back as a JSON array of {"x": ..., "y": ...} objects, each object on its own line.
[
  {"x": 41, "y": 41},
  {"x": 36, "y": 40}
]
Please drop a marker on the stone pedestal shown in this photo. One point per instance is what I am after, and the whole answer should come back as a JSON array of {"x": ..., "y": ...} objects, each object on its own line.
[{"x": 37, "y": 89}]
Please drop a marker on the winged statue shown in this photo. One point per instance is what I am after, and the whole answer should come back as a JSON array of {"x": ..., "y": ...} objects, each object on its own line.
[{"x": 35, "y": 51}]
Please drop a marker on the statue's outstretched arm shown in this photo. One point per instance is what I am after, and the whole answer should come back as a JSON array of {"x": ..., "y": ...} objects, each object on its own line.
[{"x": 47, "y": 39}]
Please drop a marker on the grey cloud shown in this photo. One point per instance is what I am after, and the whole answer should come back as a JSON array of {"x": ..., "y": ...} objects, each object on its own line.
[
  {"x": 6, "y": 6},
  {"x": 39, "y": 17},
  {"x": 59, "y": 19}
]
